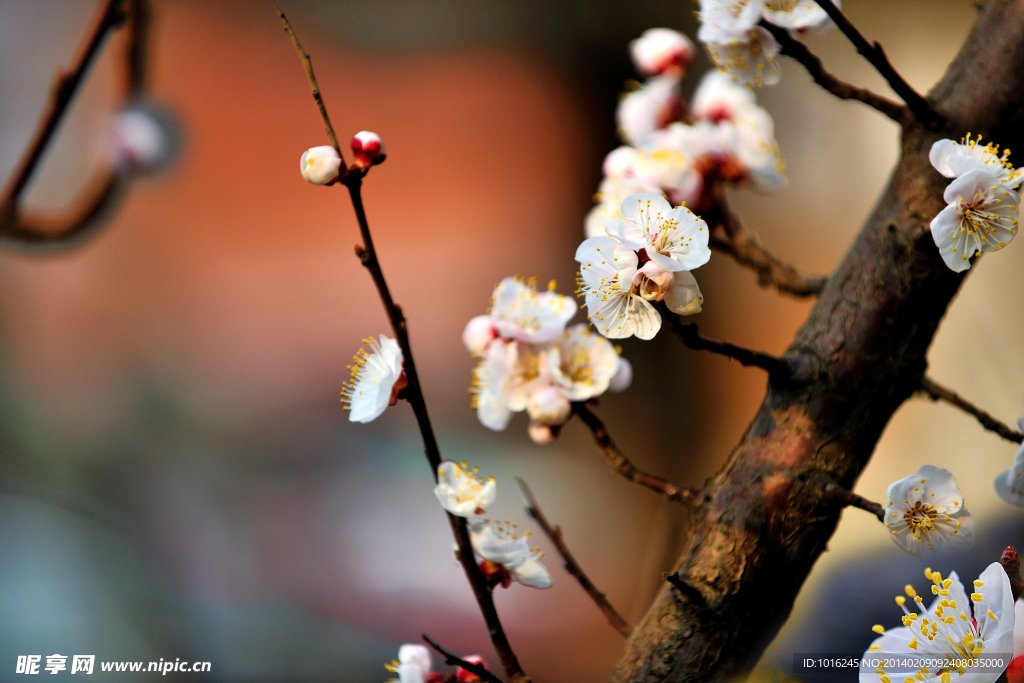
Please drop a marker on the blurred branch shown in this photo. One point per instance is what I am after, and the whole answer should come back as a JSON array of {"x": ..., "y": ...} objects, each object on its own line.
[
  {"x": 796, "y": 50},
  {"x": 621, "y": 464},
  {"x": 449, "y": 658},
  {"x": 107, "y": 185},
  {"x": 873, "y": 52},
  {"x": 690, "y": 335},
  {"x": 937, "y": 392},
  {"x": 851, "y": 499},
  {"x": 729, "y": 236},
  {"x": 413, "y": 393},
  {"x": 554, "y": 534}
]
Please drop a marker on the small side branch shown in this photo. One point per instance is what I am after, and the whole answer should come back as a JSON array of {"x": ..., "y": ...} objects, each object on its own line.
[
  {"x": 690, "y": 335},
  {"x": 450, "y": 659},
  {"x": 554, "y": 534},
  {"x": 621, "y": 464},
  {"x": 937, "y": 392},
  {"x": 796, "y": 50},
  {"x": 851, "y": 499},
  {"x": 874, "y": 53}
]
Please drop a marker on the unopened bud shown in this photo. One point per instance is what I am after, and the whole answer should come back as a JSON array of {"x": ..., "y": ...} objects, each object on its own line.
[
  {"x": 548, "y": 406},
  {"x": 320, "y": 165},
  {"x": 542, "y": 435},
  {"x": 368, "y": 149},
  {"x": 623, "y": 376},
  {"x": 463, "y": 676},
  {"x": 659, "y": 50},
  {"x": 479, "y": 334},
  {"x": 143, "y": 139}
]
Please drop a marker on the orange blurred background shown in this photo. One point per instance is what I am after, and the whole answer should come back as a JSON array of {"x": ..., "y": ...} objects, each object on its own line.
[{"x": 178, "y": 477}]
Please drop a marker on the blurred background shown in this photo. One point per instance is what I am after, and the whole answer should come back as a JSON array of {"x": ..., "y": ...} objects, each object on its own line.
[{"x": 177, "y": 477}]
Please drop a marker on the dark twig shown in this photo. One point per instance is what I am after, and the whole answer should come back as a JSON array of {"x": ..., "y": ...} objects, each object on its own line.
[
  {"x": 450, "y": 659},
  {"x": 307, "y": 64},
  {"x": 554, "y": 534},
  {"x": 689, "y": 334},
  {"x": 64, "y": 87},
  {"x": 938, "y": 392},
  {"x": 413, "y": 393},
  {"x": 796, "y": 50},
  {"x": 874, "y": 53},
  {"x": 731, "y": 237},
  {"x": 851, "y": 499},
  {"x": 621, "y": 464}
]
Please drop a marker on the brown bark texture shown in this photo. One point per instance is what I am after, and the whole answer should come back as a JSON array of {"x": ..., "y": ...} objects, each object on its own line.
[{"x": 766, "y": 517}]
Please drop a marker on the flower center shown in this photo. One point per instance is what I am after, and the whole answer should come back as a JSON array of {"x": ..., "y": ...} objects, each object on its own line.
[
  {"x": 921, "y": 517},
  {"x": 576, "y": 365}
]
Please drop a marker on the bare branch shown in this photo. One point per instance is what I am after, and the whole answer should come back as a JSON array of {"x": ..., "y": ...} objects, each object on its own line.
[
  {"x": 452, "y": 660},
  {"x": 689, "y": 334},
  {"x": 307, "y": 64},
  {"x": 873, "y": 52},
  {"x": 938, "y": 392},
  {"x": 851, "y": 499},
  {"x": 731, "y": 237},
  {"x": 621, "y": 464},
  {"x": 414, "y": 394},
  {"x": 795, "y": 49},
  {"x": 554, "y": 534}
]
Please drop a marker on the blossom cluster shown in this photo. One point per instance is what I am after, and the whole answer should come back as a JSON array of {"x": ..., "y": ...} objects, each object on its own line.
[{"x": 530, "y": 360}]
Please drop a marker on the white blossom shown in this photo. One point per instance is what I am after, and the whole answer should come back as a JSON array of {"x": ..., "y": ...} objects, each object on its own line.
[
  {"x": 548, "y": 406},
  {"x": 722, "y": 20},
  {"x": 797, "y": 15},
  {"x": 748, "y": 58},
  {"x": 954, "y": 159},
  {"x": 504, "y": 379},
  {"x": 956, "y": 629},
  {"x": 660, "y": 49},
  {"x": 320, "y": 165},
  {"x": 461, "y": 491},
  {"x": 509, "y": 554},
  {"x": 719, "y": 97},
  {"x": 1010, "y": 484},
  {"x": 414, "y": 665},
  {"x": 522, "y": 313},
  {"x": 981, "y": 215},
  {"x": 375, "y": 380},
  {"x": 142, "y": 139},
  {"x": 582, "y": 363},
  {"x": 926, "y": 511},
  {"x": 649, "y": 108}
]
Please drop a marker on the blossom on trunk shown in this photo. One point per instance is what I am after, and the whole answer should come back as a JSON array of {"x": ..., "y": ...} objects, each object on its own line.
[
  {"x": 506, "y": 556},
  {"x": 981, "y": 215},
  {"x": 320, "y": 165},
  {"x": 583, "y": 364},
  {"x": 461, "y": 491},
  {"x": 658, "y": 50},
  {"x": 956, "y": 630},
  {"x": 954, "y": 159},
  {"x": 925, "y": 511},
  {"x": 414, "y": 665},
  {"x": 375, "y": 380},
  {"x": 797, "y": 15},
  {"x": 1010, "y": 484}
]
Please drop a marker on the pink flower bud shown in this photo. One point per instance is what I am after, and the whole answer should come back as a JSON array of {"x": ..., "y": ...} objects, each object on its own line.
[
  {"x": 660, "y": 49},
  {"x": 548, "y": 406},
  {"x": 320, "y": 165},
  {"x": 542, "y": 435},
  {"x": 623, "y": 376},
  {"x": 479, "y": 333},
  {"x": 463, "y": 676},
  {"x": 368, "y": 149}
]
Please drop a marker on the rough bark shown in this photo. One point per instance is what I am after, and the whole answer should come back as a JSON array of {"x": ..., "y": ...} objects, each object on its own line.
[{"x": 861, "y": 353}]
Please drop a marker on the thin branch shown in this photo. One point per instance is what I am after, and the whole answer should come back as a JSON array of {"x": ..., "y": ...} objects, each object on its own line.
[
  {"x": 449, "y": 658},
  {"x": 796, "y": 50},
  {"x": 874, "y": 53},
  {"x": 413, "y": 393},
  {"x": 690, "y": 335},
  {"x": 621, "y": 464},
  {"x": 938, "y": 392},
  {"x": 307, "y": 64},
  {"x": 731, "y": 237},
  {"x": 65, "y": 85},
  {"x": 554, "y": 534},
  {"x": 851, "y": 499}
]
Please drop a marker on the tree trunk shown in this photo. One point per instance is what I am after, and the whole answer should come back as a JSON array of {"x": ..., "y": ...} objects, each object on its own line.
[{"x": 861, "y": 353}]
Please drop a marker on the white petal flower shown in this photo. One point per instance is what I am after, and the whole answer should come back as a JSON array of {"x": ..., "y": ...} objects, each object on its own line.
[
  {"x": 721, "y": 20},
  {"x": 925, "y": 511},
  {"x": 954, "y": 159},
  {"x": 414, "y": 665},
  {"x": 582, "y": 363},
  {"x": 719, "y": 97},
  {"x": 609, "y": 196},
  {"x": 548, "y": 406},
  {"x": 1010, "y": 484},
  {"x": 320, "y": 165},
  {"x": 797, "y": 15},
  {"x": 956, "y": 629},
  {"x": 673, "y": 238},
  {"x": 653, "y": 106},
  {"x": 375, "y": 380},
  {"x": 509, "y": 553},
  {"x": 508, "y": 373},
  {"x": 461, "y": 491},
  {"x": 479, "y": 333},
  {"x": 659, "y": 49},
  {"x": 521, "y": 313},
  {"x": 981, "y": 215},
  {"x": 756, "y": 149},
  {"x": 607, "y": 268},
  {"x": 748, "y": 58}
]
